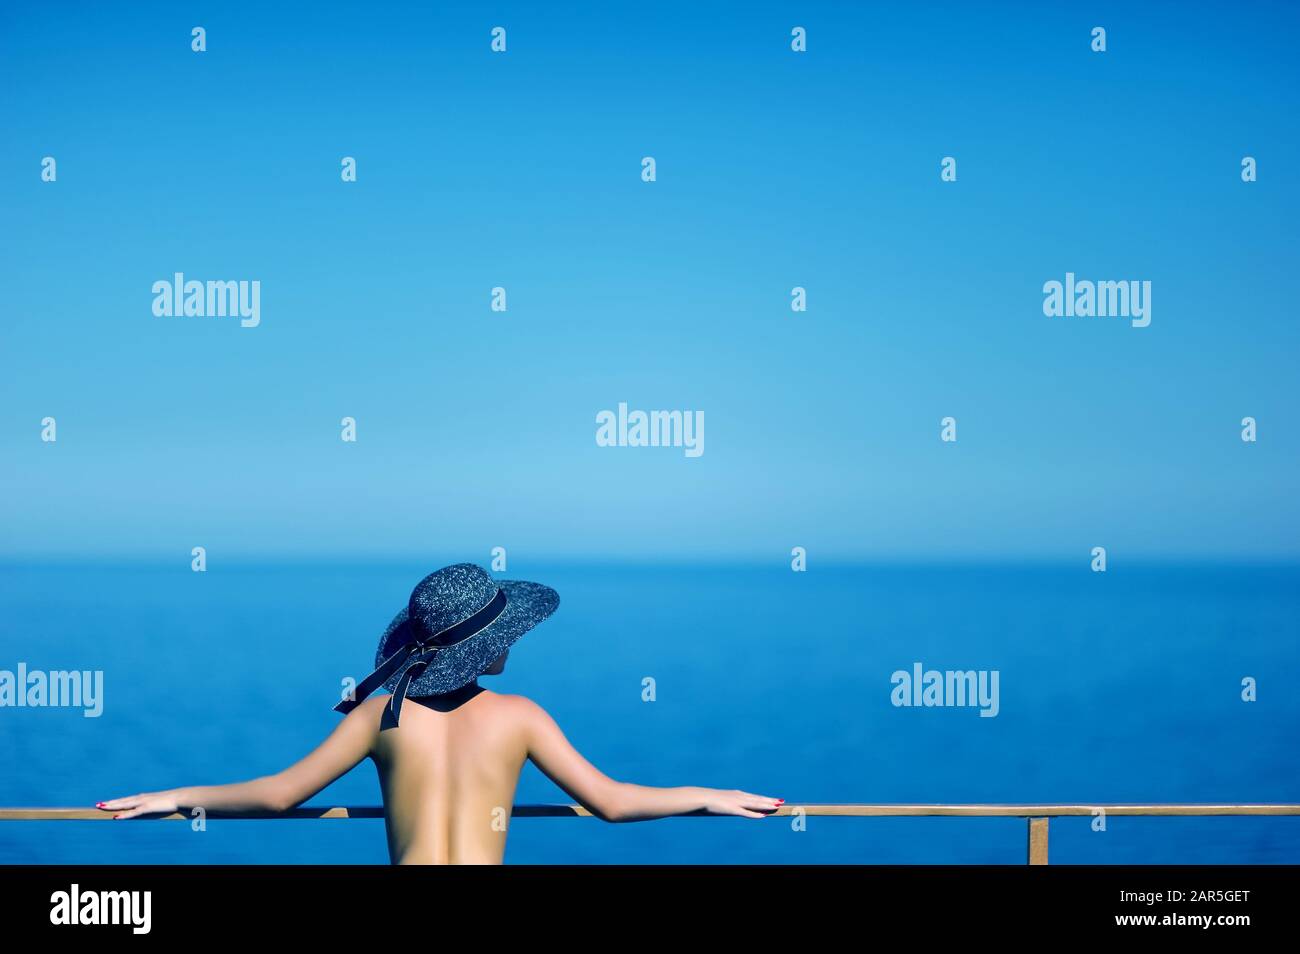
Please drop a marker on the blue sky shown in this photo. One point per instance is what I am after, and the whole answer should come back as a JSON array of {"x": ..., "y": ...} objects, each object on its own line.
[{"x": 775, "y": 169}]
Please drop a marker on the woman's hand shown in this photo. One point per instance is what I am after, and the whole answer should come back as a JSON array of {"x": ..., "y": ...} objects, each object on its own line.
[
  {"x": 146, "y": 803},
  {"x": 734, "y": 802}
]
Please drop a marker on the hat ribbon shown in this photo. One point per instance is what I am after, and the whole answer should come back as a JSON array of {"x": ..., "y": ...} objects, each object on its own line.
[{"x": 426, "y": 649}]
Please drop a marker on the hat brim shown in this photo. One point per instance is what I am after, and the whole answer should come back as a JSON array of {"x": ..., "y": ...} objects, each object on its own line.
[{"x": 527, "y": 604}]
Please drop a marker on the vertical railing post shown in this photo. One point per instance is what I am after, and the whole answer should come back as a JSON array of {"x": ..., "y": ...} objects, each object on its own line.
[{"x": 1038, "y": 841}]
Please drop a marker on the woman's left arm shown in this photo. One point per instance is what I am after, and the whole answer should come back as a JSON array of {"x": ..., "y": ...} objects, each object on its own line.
[{"x": 349, "y": 743}]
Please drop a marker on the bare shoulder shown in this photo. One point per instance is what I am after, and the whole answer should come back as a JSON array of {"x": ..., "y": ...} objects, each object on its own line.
[
  {"x": 371, "y": 708},
  {"x": 520, "y": 708},
  {"x": 364, "y": 720},
  {"x": 368, "y": 714}
]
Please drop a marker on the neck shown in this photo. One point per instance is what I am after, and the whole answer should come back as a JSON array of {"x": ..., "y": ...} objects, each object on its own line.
[{"x": 450, "y": 700}]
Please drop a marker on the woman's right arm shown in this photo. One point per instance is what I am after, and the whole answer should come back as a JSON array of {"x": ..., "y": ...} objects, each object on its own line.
[
  {"x": 349, "y": 743},
  {"x": 622, "y": 801}
]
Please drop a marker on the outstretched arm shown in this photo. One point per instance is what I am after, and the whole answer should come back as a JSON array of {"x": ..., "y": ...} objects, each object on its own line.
[
  {"x": 622, "y": 801},
  {"x": 348, "y": 744}
]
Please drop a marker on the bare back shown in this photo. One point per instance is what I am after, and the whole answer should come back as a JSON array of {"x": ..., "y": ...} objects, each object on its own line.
[{"x": 448, "y": 779}]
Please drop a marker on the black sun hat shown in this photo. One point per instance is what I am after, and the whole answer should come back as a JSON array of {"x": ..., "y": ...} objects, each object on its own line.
[{"x": 457, "y": 622}]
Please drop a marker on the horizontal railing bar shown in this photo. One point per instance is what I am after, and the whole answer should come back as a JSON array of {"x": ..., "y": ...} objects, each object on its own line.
[{"x": 845, "y": 810}]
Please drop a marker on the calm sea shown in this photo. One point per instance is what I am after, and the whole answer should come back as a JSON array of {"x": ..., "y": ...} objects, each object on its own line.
[{"x": 1116, "y": 687}]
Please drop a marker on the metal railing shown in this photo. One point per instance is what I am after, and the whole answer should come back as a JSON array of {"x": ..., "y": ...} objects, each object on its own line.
[{"x": 1037, "y": 816}]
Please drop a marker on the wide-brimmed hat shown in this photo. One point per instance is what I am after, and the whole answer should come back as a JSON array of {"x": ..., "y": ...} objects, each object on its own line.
[{"x": 457, "y": 622}]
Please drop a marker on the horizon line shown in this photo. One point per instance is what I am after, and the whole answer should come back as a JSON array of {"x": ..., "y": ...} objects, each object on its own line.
[{"x": 841, "y": 560}]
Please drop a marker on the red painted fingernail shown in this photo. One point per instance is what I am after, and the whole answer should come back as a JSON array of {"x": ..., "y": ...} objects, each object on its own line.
[
  {"x": 99, "y": 804},
  {"x": 116, "y": 817}
]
